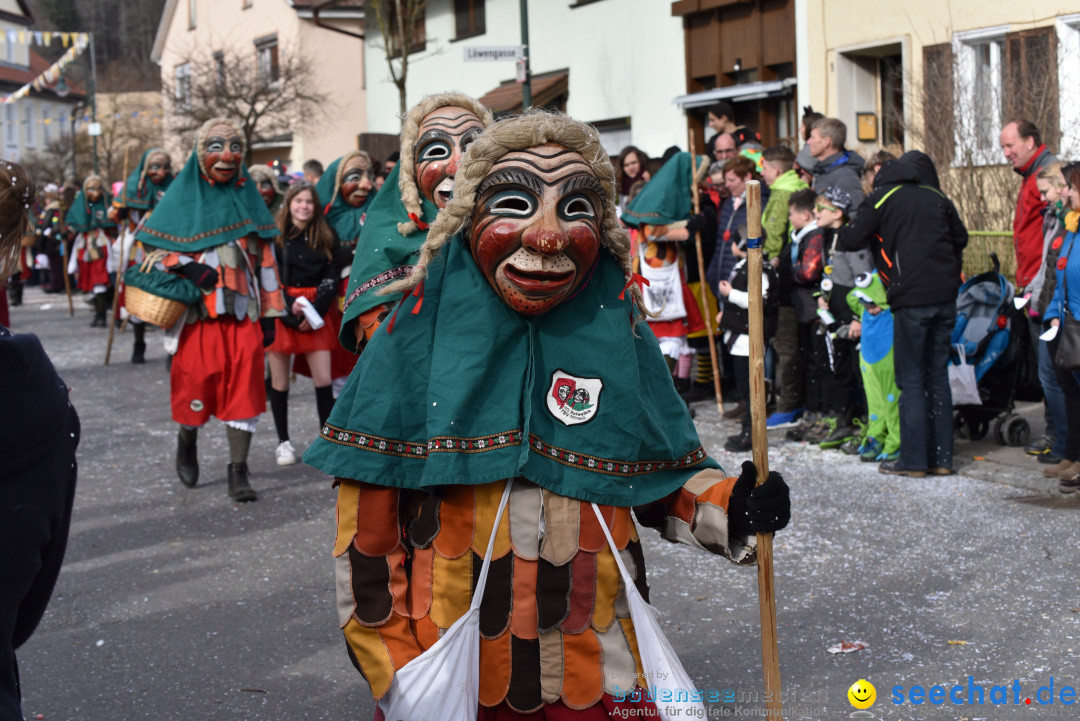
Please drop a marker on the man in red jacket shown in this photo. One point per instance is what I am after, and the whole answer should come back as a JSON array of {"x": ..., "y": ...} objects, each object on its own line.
[{"x": 1022, "y": 145}]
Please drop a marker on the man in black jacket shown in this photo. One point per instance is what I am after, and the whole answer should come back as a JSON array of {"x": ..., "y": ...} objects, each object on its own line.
[{"x": 917, "y": 242}]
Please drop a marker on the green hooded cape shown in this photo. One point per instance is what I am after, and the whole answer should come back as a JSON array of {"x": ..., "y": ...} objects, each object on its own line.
[
  {"x": 666, "y": 197},
  {"x": 84, "y": 216},
  {"x": 458, "y": 388},
  {"x": 383, "y": 255},
  {"x": 197, "y": 215},
  {"x": 341, "y": 216},
  {"x": 141, "y": 193}
]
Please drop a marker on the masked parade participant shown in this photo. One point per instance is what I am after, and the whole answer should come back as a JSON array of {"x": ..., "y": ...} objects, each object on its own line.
[
  {"x": 226, "y": 250},
  {"x": 266, "y": 182},
  {"x": 49, "y": 227},
  {"x": 348, "y": 188},
  {"x": 433, "y": 139},
  {"x": 143, "y": 190},
  {"x": 88, "y": 218},
  {"x": 519, "y": 374}
]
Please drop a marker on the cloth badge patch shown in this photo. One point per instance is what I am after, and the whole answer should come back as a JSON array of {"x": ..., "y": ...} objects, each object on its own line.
[
  {"x": 196, "y": 405},
  {"x": 573, "y": 400}
]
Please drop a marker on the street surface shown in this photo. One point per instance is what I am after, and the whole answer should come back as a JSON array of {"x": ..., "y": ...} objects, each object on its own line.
[{"x": 177, "y": 604}]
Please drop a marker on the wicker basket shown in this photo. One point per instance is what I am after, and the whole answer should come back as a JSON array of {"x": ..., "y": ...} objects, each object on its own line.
[{"x": 153, "y": 309}]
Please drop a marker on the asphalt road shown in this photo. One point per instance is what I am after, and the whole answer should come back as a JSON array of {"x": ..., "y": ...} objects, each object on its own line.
[{"x": 178, "y": 604}]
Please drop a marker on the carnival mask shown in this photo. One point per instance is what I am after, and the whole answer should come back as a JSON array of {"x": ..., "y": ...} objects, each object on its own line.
[
  {"x": 158, "y": 168},
  {"x": 267, "y": 190},
  {"x": 222, "y": 152},
  {"x": 94, "y": 191},
  {"x": 357, "y": 180},
  {"x": 535, "y": 230},
  {"x": 443, "y": 136}
]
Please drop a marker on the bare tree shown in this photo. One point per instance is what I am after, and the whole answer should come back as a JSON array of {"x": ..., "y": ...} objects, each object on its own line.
[
  {"x": 123, "y": 133},
  {"x": 54, "y": 163},
  {"x": 401, "y": 24},
  {"x": 266, "y": 98}
]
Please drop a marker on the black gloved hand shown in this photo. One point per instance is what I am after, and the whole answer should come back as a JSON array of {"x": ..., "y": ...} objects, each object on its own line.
[
  {"x": 269, "y": 330},
  {"x": 201, "y": 275},
  {"x": 696, "y": 223},
  {"x": 758, "y": 509}
]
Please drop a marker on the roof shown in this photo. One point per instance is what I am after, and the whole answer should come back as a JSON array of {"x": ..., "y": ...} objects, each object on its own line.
[
  {"x": 15, "y": 78},
  {"x": 26, "y": 18},
  {"x": 546, "y": 87}
]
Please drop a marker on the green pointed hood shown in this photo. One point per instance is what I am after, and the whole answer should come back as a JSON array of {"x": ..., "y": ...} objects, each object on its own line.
[
  {"x": 457, "y": 388},
  {"x": 84, "y": 216},
  {"x": 197, "y": 214},
  {"x": 666, "y": 198},
  {"x": 341, "y": 216},
  {"x": 140, "y": 192},
  {"x": 383, "y": 255}
]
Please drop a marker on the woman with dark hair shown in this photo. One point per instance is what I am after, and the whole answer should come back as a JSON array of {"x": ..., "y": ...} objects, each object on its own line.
[
  {"x": 1066, "y": 303},
  {"x": 630, "y": 167},
  {"x": 731, "y": 223},
  {"x": 37, "y": 461},
  {"x": 305, "y": 253}
]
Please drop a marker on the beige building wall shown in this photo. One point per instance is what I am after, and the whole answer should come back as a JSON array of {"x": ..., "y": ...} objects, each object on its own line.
[
  {"x": 337, "y": 62},
  {"x": 835, "y": 36}
]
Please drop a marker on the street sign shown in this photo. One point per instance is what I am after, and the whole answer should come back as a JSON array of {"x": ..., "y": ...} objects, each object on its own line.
[
  {"x": 494, "y": 53},
  {"x": 93, "y": 129}
]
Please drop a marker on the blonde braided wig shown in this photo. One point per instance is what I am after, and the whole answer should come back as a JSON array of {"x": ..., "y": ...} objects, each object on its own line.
[
  {"x": 410, "y": 129},
  {"x": 535, "y": 127},
  {"x": 259, "y": 172},
  {"x": 340, "y": 174}
]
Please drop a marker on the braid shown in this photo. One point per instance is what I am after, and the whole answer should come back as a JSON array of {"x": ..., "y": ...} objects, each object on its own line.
[
  {"x": 534, "y": 127},
  {"x": 410, "y": 129}
]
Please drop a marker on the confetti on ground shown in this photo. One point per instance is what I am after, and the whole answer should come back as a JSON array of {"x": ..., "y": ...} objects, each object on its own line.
[
  {"x": 958, "y": 643},
  {"x": 848, "y": 647}
]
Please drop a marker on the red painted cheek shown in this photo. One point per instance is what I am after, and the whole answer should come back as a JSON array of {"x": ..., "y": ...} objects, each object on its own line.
[
  {"x": 583, "y": 246},
  {"x": 212, "y": 159},
  {"x": 428, "y": 178},
  {"x": 494, "y": 243},
  {"x": 268, "y": 195}
]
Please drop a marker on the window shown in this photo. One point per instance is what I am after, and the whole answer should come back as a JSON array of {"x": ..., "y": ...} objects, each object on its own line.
[
  {"x": 182, "y": 88},
  {"x": 246, "y": 4},
  {"x": 219, "y": 68},
  {"x": 980, "y": 85},
  {"x": 46, "y": 126},
  {"x": 418, "y": 35},
  {"x": 468, "y": 18},
  {"x": 191, "y": 14},
  {"x": 11, "y": 131},
  {"x": 29, "y": 124},
  {"x": 266, "y": 52}
]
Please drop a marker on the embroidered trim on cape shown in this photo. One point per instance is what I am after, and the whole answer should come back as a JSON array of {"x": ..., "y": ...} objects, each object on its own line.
[
  {"x": 402, "y": 271},
  {"x": 207, "y": 234},
  {"x": 612, "y": 466}
]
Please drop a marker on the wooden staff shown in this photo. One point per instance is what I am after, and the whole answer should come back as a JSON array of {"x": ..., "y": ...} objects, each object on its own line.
[
  {"x": 766, "y": 590},
  {"x": 67, "y": 278},
  {"x": 703, "y": 287},
  {"x": 121, "y": 266}
]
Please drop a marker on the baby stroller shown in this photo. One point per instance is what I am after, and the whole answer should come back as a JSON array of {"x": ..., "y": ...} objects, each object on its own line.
[{"x": 992, "y": 335}]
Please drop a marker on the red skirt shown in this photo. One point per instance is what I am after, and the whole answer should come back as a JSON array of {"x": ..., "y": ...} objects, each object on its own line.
[
  {"x": 92, "y": 272},
  {"x": 218, "y": 371},
  {"x": 289, "y": 341}
]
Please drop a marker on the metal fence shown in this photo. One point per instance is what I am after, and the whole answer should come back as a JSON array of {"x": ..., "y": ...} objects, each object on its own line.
[{"x": 983, "y": 243}]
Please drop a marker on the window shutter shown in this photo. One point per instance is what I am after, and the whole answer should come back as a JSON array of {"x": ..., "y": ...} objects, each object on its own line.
[
  {"x": 1031, "y": 80},
  {"x": 938, "y": 105}
]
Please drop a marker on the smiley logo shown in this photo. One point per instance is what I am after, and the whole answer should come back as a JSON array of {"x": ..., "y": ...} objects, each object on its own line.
[{"x": 862, "y": 694}]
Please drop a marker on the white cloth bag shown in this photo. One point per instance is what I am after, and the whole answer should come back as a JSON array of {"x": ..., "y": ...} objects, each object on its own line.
[
  {"x": 444, "y": 681},
  {"x": 962, "y": 383},
  {"x": 659, "y": 663},
  {"x": 663, "y": 295}
]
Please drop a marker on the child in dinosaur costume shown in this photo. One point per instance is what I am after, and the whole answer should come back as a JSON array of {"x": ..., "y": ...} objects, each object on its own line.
[
  {"x": 867, "y": 300},
  {"x": 520, "y": 351},
  {"x": 434, "y": 136}
]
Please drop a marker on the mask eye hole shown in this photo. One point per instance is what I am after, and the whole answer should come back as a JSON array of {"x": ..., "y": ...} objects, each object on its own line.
[
  {"x": 235, "y": 146},
  {"x": 215, "y": 146},
  {"x": 577, "y": 207},
  {"x": 511, "y": 203},
  {"x": 435, "y": 151}
]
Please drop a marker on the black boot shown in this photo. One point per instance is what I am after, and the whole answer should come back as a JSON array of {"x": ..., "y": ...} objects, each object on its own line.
[
  {"x": 239, "y": 488},
  {"x": 187, "y": 460},
  {"x": 739, "y": 443},
  {"x": 138, "y": 355},
  {"x": 15, "y": 294},
  {"x": 99, "y": 311}
]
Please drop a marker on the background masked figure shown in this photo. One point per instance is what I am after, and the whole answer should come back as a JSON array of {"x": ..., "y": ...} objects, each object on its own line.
[
  {"x": 143, "y": 190},
  {"x": 88, "y": 218},
  {"x": 522, "y": 289},
  {"x": 225, "y": 249},
  {"x": 433, "y": 138},
  {"x": 266, "y": 182}
]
